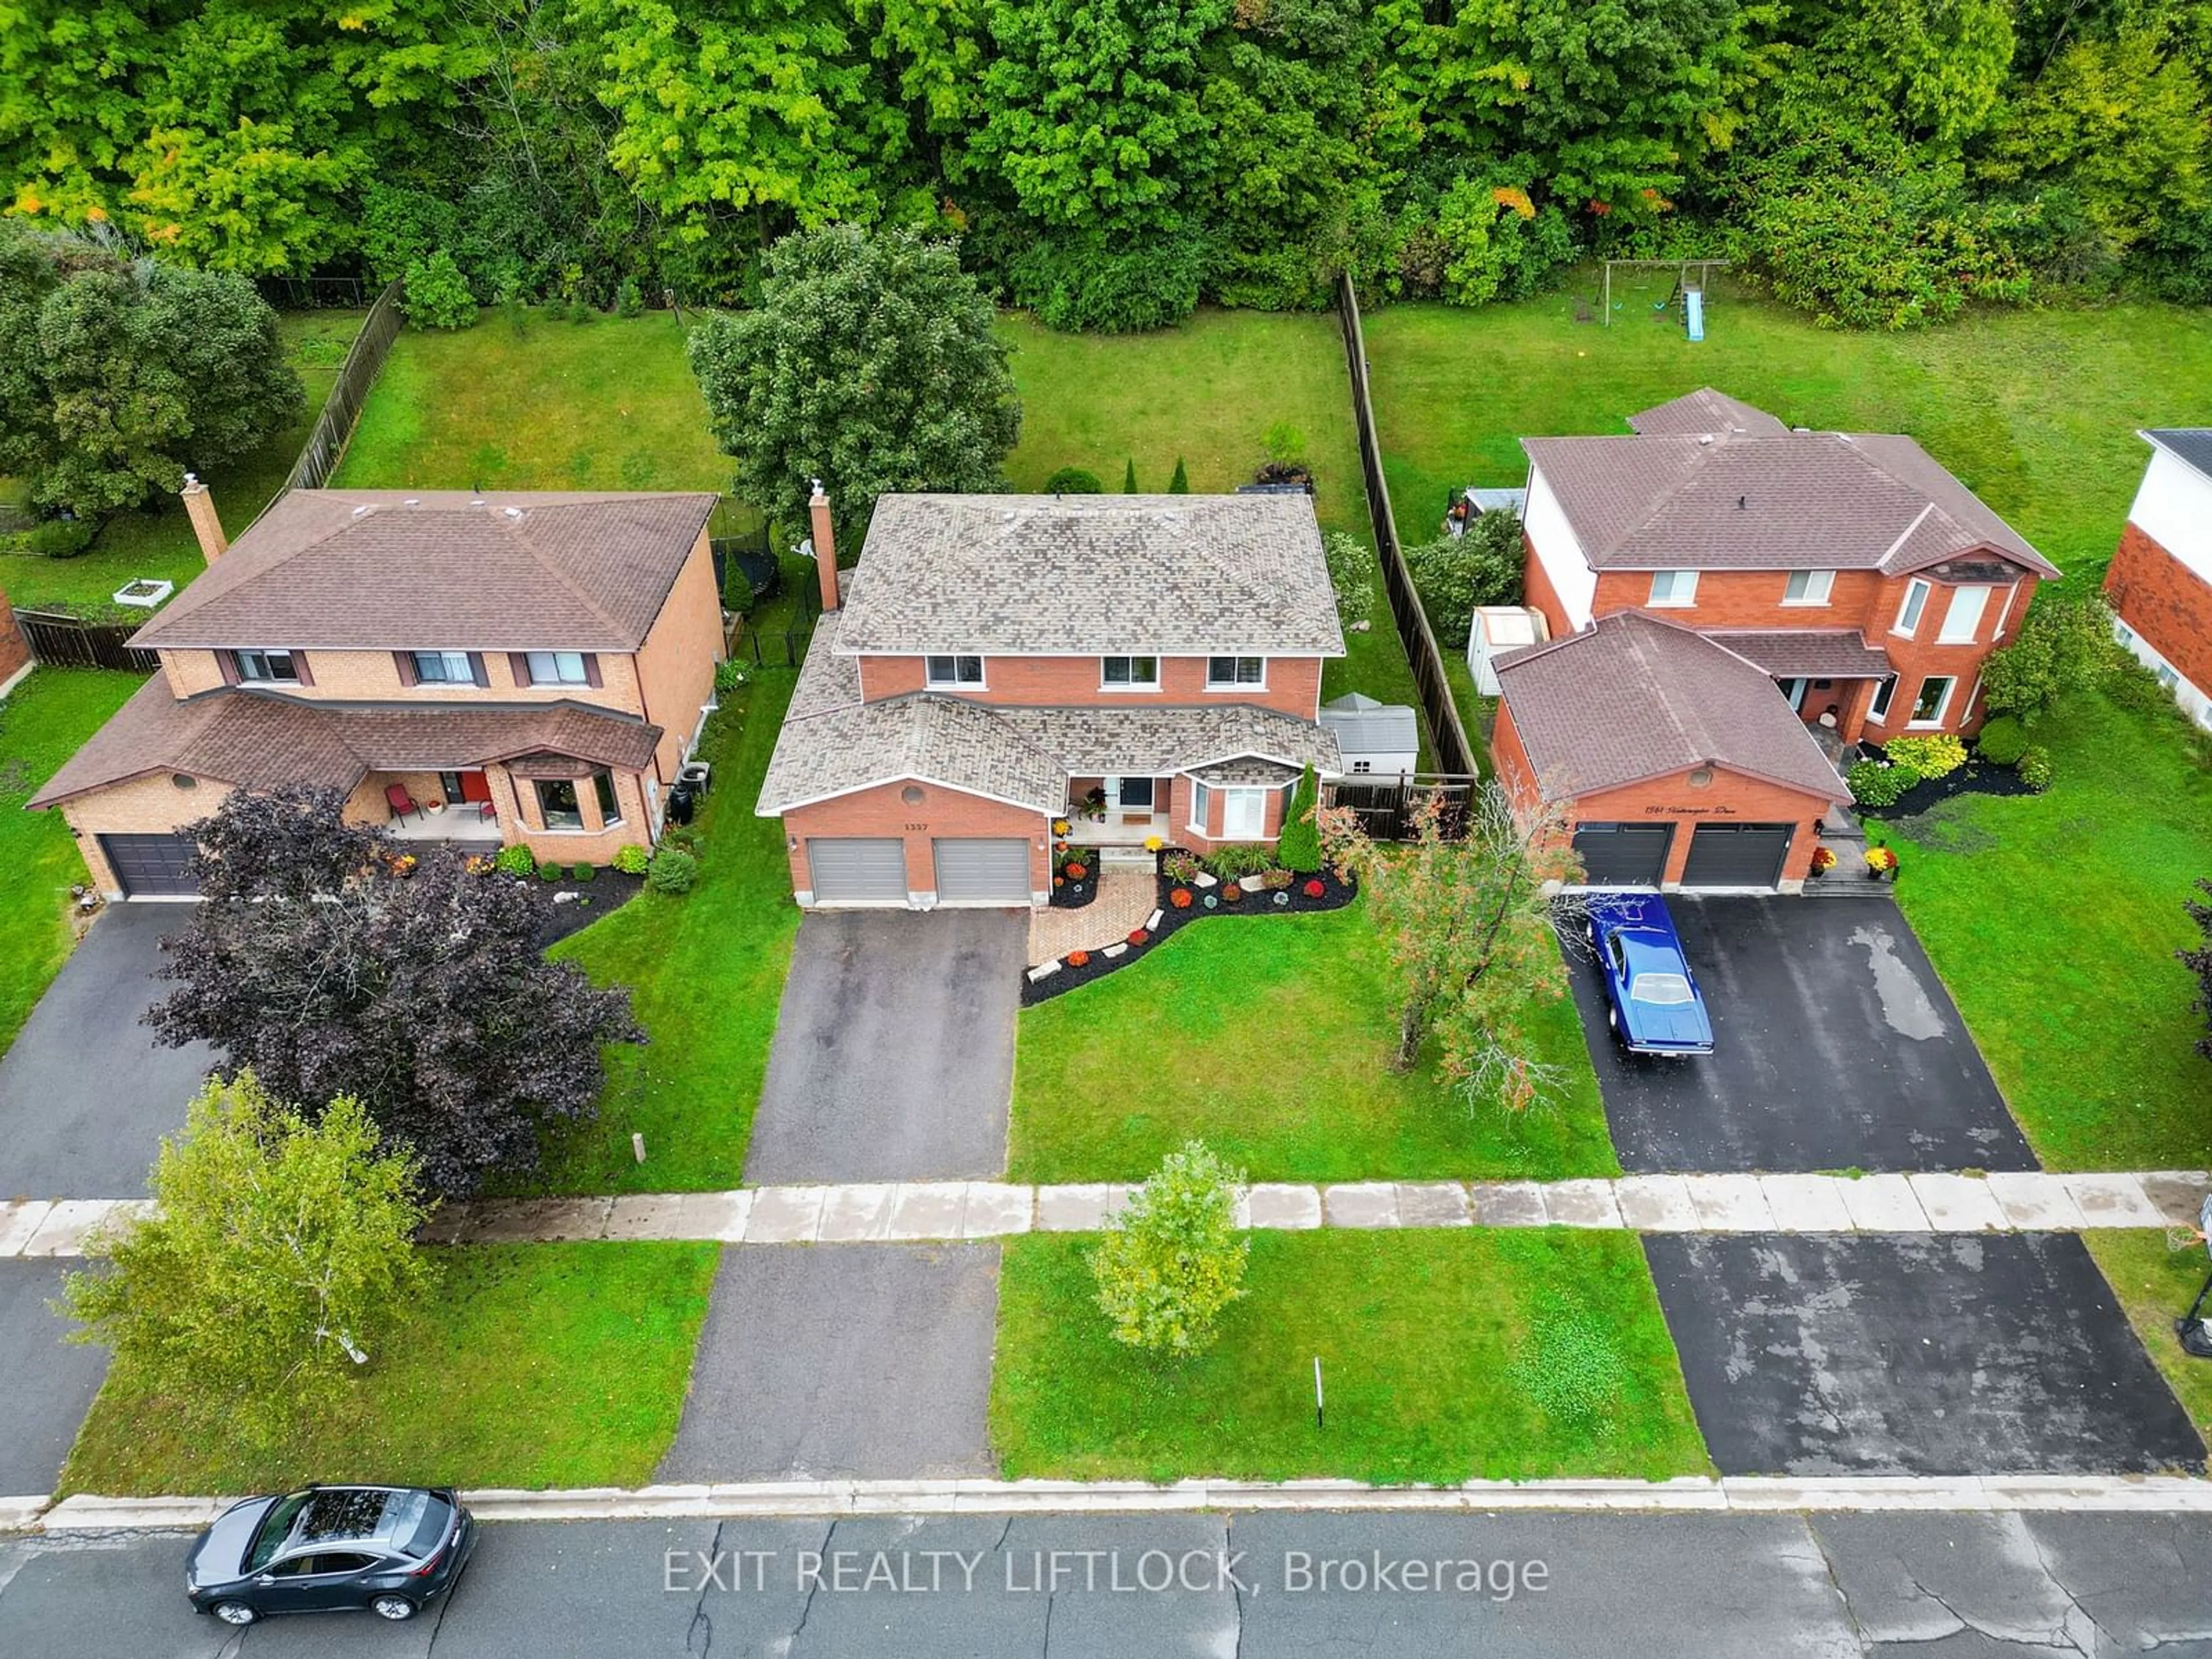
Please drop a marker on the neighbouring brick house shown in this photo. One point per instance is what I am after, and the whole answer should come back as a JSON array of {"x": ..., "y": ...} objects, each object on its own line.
[
  {"x": 2161, "y": 580},
  {"x": 478, "y": 669},
  {"x": 15, "y": 654},
  {"x": 1140, "y": 666},
  {"x": 1862, "y": 583}
]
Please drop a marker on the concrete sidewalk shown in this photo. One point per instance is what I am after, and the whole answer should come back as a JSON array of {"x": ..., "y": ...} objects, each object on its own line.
[{"x": 940, "y": 1210}]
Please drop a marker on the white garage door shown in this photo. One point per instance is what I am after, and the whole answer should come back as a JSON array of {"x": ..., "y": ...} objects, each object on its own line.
[
  {"x": 975, "y": 872},
  {"x": 856, "y": 870}
]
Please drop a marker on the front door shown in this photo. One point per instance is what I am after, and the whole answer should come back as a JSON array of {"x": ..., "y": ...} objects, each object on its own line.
[
  {"x": 1794, "y": 690},
  {"x": 1129, "y": 800}
]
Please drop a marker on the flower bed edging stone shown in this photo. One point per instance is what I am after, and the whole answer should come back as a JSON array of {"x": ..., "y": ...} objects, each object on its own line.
[{"x": 1038, "y": 986}]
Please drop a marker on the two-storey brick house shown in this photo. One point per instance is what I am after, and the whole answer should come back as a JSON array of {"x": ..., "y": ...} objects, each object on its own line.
[
  {"x": 474, "y": 668},
  {"x": 1142, "y": 666},
  {"x": 1858, "y": 576}
]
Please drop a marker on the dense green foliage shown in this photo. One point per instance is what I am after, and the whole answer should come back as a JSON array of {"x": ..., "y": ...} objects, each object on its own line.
[
  {"x": 1171, "y": 1259},
  {"x": 869, "y": 365},
  {"x": 2064, "y": 644},
  {"x": 1456, "y": 576},
  {"x": 1298, "y": 848},
  {"x": 115, "y": 376},
  {"x": 1111, "y": 161}
]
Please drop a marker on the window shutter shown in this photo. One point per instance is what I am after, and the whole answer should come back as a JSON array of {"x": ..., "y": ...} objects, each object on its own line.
[
  {"x": 301, "y": 671},
  {"x": 591, "y": 669},
  {"x": 476, "y": 669},
  {"x": 228, "y": 662},
  {"x": 404, "y": 662},
  {"x": 518, "y": 664}
]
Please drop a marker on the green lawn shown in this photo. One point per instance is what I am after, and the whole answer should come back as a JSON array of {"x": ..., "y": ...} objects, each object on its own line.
[
  {"x": 2053, "y": 920},
  {"x": 546, "y": 405},
  {"x": 530, "y": 1365},
  {"x": 159, "y": 543},
  {"x": 706, "y": 970},
  {"x": 2156, "y": 1283},
  {"x": 1267, "y": 1035},
  {"x": 42, "y": 723},
  {"x": 1445, "y": 1354},
  {"x": 1208, "y": 391}
]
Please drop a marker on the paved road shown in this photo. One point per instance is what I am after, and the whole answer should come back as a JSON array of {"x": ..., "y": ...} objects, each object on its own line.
[
  {"x": 1543, "y": 1587},
  {"x": 854, "y": 1360},
  {"x": 46, "y": 1385},
  {"x": 85, "y": 1095},
  {"x": 1835, "y": 1047},
  {"x": 894, "y": 1052}
]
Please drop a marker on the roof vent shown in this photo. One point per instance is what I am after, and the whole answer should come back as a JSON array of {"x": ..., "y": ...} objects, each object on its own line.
[
  {"x": 1704, "y": 437},
  {"x": 362, "y": 508},
  {"x": 414, "y": 500},
  {"x": 512, "y": 512},
  {"x": 478, "y": 501},
  {"x": 1743, "y": 501}
]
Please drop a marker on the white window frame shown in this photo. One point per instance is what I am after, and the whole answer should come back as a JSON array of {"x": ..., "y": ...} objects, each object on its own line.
[
  {"x": 1912, "y": 609},
  {"x": 2004, "y": 617},
  {"x": 446, "y": 662},
  {"x": 610, "y": 808},
  {"x": 1238, "y": 683},
  {"x": 1232, "y": 795},
  {"x": 1132, "y": 683},
  {"x": 1201, "y": 798},
  {"x": 956, "y": 684},
  {"x": 552, "y": 660},
  {"x": 264, "y": 651},
  {"x": 1677, "y": 596},
  {"x": 1943, "y": 634},
  {"x": 1935, "y": 721},
  {"x": 1820, "y": 588},
  {"x": 1885, "y": 693}
]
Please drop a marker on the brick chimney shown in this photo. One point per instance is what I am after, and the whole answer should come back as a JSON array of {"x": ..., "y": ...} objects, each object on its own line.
[
  {"x": 825, "y": 547},
  {"x": 199, "y": 506}
]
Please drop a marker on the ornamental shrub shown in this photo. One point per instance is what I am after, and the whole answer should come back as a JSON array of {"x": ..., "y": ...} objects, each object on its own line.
[
  {"x": 1351, "y": 574},
  {"x": 550, "y": 872},
  {"x": 1241, "y": 858},
  {"x": 436, "y": 295},
  {"x": 582, "y": 872},
  {"x": 1231, "y": 893},
  {"x": 1073, "y": 481},
  {"x": 516, "y": 861},
  {"x": 1875, "y": 785},
  {"x": 1138, "y": 936},
  {"x": 730, "y": 674},
  {"x": 58, "y": 539},
  {"x": 1180, "y": 898},
  {"x": 1172, "y": 1261},
  {"x": 629, "y": 298},
  {"x": 2003, "y": 742},
  {"x": 1179, "y": 484},
  {"x": 1180, "y": 865},
  {"x": 672, "y": 870},
  {"x": 1299, "y": 847},
  {"x": 1079, "y": 959},
  {"x": 1454, "y": 574},
  {"x": 2035, "y": 768},
  {"x": 2064, "y": 644},
  {"x": 1314, "y": 888},
  {"x": 1076, "y": 869},
  {"x": 631, "y": 860},
  {"x": 1936, "y": 755},
  {"x": 1129, "y": 477}
]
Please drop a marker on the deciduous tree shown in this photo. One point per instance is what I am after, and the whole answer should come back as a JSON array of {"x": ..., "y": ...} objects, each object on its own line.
[
  {"x": 1473, "y": 932},
  {"x": 280, "y": 1251},
  {"x": 872, "y": 363},
  {"x": 1172, "y": 1261},
  {"x": 426, "y": 999}
]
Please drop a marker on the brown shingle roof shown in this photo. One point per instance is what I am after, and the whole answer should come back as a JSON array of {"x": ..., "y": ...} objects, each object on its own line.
[
  {"x": 1705, "y": 410},
  {"x": 1679, "y": 498},
  {"x": 1795, "y": 653},
  {"x": 1633, "y": 697},
  {"x": 1094, "y": 575},
  {"x": 388, "y": 569},
  {"x": 260, "y": 739}
]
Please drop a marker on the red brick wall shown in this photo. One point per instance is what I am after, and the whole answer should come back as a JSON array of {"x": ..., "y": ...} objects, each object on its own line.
[
  {"x": 1539, "y": 592},
  {"x": 941, "y": 812},
  {"x": 2163, "y": 600},
  {"x": 13, "y": 653},
  {"x": 1294, "y": 683}
]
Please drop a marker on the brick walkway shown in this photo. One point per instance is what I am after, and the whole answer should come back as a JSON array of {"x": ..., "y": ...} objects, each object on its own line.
[
  {"x": 917, "y": 1212},
  {"x": 1126, "y": 898}
]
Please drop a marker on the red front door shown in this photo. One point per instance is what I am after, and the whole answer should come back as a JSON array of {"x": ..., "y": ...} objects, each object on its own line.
[{"x": 475, "y": 785}]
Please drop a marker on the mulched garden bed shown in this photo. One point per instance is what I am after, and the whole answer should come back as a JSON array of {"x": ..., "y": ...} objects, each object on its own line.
[
  {"x": 1073, "y": 892},
  {"x": 608, "y": 890},
  {"x": 1976, "y": 777},
  {"x": 1334, "y": 894}
]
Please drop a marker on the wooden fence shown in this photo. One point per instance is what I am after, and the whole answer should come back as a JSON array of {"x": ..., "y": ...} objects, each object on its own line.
[
  {"x": 1387, "y": 806},
  {"x": 327, "y": 444},
  {"x": 1455, "y": 754},
  {"x": 58, "y": 639}
]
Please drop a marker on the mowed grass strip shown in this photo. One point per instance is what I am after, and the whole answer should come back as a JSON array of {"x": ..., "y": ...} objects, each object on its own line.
[
  {"x": 1269, "y": 1037},
  {"x": 706, "y": 972},
  {"x": 2054, "y": 918},
  {"x": 43, "y": 723},
  {"x": 2156, "y": 1283},
  {"x": 530, "y": 1365},
  {"x": 1446, "y": 1355}
]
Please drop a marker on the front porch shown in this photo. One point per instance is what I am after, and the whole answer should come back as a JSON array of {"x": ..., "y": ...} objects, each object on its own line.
[{"x": 445, "y": 806}]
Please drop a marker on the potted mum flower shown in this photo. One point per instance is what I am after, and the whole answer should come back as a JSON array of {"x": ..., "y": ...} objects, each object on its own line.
[
  {"x": 1881, "y": 862},
  {"x": 1824, "y": 860}
]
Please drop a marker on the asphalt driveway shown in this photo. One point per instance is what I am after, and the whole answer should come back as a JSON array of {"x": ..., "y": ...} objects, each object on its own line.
[
  {"x": 49, "y": 1382},
  {"x": 1913, "y": 1353},
  {"x": 1835, "y": 1047},
  {"x": 893, "y": 1051},
  {"x": 85, "y": 1094},
  {"x": 842, "y": 1360}
]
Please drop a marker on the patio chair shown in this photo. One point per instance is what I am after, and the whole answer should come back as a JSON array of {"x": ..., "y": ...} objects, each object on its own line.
[{"x": 401, "y": 803}]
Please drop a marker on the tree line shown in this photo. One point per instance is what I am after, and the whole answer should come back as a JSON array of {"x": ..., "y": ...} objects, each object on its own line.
[{"x": 1108, "y": 162}]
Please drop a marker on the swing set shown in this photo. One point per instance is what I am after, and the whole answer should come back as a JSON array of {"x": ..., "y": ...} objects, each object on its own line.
[{"x": 1691, "y": 280}]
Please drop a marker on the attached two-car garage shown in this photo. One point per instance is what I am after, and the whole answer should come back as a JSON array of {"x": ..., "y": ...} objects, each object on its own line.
[
  {"x": 1720, "y": 855},
  {"x": 965, "y": 870}
]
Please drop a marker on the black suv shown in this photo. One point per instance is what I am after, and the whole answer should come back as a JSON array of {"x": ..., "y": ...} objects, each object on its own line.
[{"x": 330, "y": 1549}]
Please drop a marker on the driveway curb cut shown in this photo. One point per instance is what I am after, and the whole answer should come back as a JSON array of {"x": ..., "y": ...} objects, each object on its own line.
[{"x": 2092, "y": 1494}]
